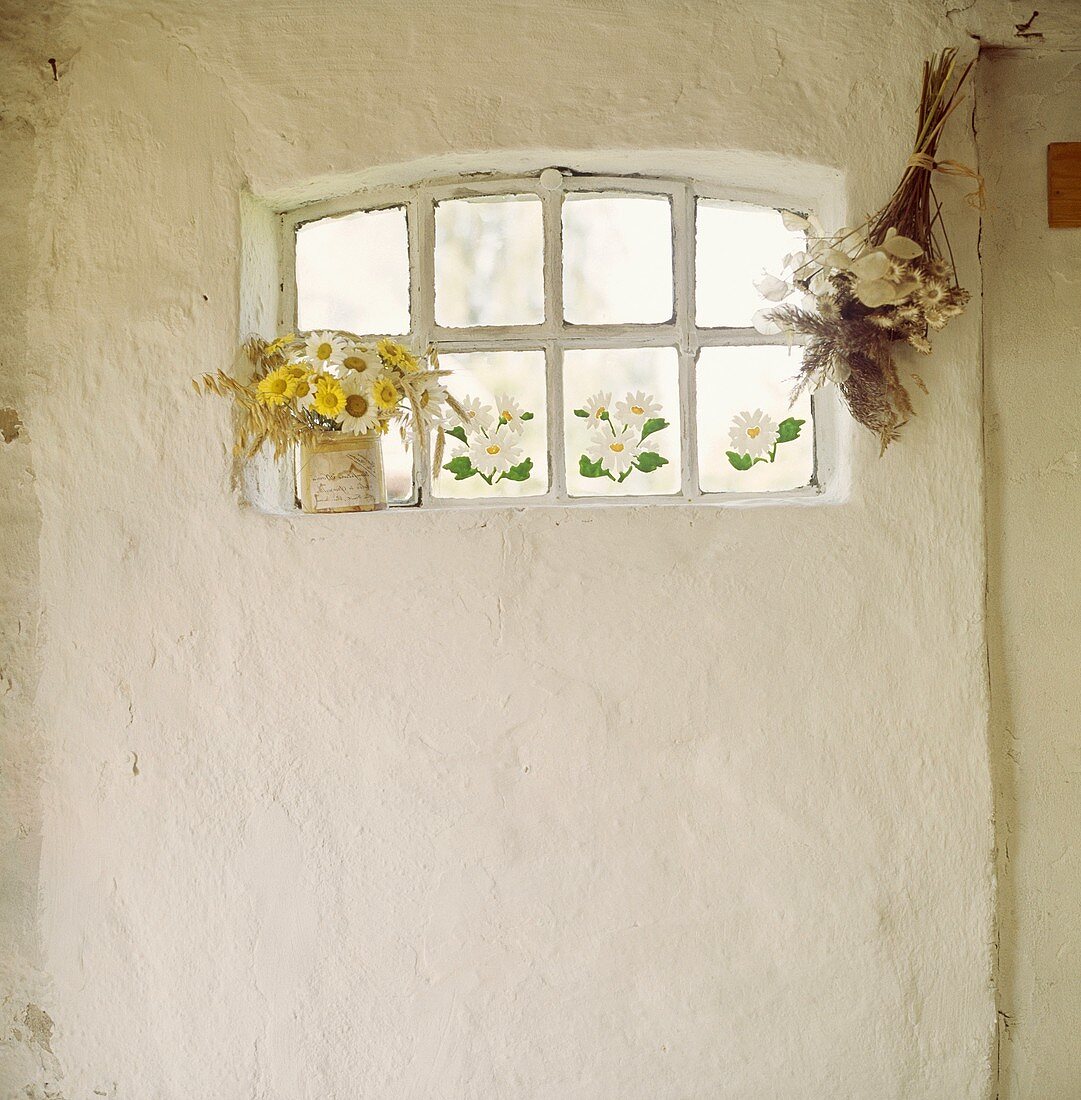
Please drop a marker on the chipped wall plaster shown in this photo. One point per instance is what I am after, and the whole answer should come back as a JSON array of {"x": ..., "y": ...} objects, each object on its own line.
[
  {"x": 687, "y": 803},
  {"x": 1033, "y": 396}
]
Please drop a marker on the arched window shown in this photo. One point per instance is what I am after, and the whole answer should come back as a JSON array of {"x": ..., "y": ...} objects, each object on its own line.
[{"x": 606, "y": 321}]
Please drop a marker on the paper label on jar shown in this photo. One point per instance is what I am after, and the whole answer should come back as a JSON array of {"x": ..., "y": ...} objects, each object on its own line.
[{"x": 342, "y": 479}]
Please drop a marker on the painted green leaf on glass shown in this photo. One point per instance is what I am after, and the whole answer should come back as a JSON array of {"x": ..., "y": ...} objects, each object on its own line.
[
  {"x": 520, "y": 472},
  {"x": 460, "y": 467},
  {"x": 648, "y": 461},
  {"x": 788, "y": 429}
]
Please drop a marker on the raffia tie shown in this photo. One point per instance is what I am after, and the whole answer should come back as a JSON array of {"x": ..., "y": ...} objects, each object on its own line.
[{"x": 977, "y": 198}]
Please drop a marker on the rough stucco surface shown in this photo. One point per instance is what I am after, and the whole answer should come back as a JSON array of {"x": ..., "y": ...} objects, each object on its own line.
[
  {"x": 639, "y": 803},
  {"x": 27, "y": 114},
  {"x": 1033, "y": 299}
]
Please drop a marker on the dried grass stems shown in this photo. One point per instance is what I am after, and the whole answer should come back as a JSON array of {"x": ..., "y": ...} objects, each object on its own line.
[
  {"x": 257, "y": 423},
  {"x": 890, "y": 279},
  {"x": 914, "y": 210}
]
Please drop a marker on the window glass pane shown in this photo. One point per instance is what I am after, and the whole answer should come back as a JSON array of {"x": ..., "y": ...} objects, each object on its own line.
[
  {"x": 626, "y": 394},
  {"x": 734, "y": 244},
  {"x": 617, "y": 258},
  {"x": 743, "y": 408},
  {"x": 353, "y": 273},
  {"x": 397, "y": 468},
  {"x": 489, "y": 261},
  {"x": 510, "y": 459}
]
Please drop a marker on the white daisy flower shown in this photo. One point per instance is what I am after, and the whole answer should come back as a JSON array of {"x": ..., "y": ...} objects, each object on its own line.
[
  {"x": 363, "y": 361},
  {"x": 753, "y": 433},
  {"x": 327, "y": 350},
  {"x": 478, "y": 417},
  {"x": 596, "y": 407},
  {"x": 509, "y": 411},
  {"x": 495, "y": 454},
  {"x": 637, "y": 408},
  {"x": 430, "y": 396},
  {"x": 616, "y": 453},
  {"x": 360, "y": 415}
]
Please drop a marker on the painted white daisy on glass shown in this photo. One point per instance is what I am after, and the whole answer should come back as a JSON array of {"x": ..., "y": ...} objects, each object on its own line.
[
  {"x": 614, "y": 452},
  {"x": 478, "y": 416},
  {"x": 617, "y": 442},
  {"x": 509, "y": 411},
  {"x": 756, "y": 436},
  {"x": 495, "y": 454},
  {"x": 491, "y": 442},
  {"x": 637, "y": 408},
  {"x": 598, "y": 409},
  {"x": 753, "y": 433}
]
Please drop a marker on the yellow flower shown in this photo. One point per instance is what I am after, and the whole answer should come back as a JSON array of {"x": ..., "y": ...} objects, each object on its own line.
[
  {"x": 301, "y": 376},
  {"x": 276, "y": 345},
  {"x": 386, "y": 393},
  {"x": 394, "y": 355},
  {"x": 329, "y": 399},
  {"x": 278, "y": 387}
]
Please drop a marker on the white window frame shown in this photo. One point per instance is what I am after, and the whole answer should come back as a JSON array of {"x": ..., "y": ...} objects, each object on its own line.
[{"x": 554, "y": 334}]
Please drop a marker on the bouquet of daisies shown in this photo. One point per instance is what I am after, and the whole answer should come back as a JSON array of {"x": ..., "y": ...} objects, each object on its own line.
[{"x": 306, "y": 383}]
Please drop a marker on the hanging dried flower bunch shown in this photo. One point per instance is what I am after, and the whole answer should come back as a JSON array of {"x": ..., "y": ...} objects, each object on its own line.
[{"x": 890, "y": 279}]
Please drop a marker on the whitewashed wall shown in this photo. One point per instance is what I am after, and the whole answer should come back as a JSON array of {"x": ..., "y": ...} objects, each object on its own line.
[
  {"x": 539, "y": 804},
  {"x": 1031, "y": 328}
]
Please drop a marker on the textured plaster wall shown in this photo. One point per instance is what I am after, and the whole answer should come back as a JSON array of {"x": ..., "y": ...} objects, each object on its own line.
[
  {"x": 638, "y": 803},
  {"x": 27, "y": 114},
  {"x": 1032, "y": 323}
]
